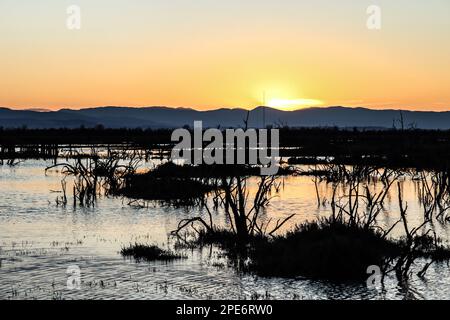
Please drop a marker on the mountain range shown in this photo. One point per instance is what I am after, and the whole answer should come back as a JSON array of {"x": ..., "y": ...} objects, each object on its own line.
[{"x": 164, "y": 117}]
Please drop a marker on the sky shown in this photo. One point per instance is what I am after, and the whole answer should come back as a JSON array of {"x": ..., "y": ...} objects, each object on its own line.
[{"x": 210, "y": 54}]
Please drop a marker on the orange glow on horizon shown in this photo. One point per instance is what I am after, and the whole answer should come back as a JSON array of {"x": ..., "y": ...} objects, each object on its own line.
[{"x": 224, "y": 54}]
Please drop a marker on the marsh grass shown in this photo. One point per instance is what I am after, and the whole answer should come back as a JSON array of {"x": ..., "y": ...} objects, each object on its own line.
[
  {"x": 180, "y": 190},
  {"x": 322, "y": 250},
  {"x": 182, "y": 185},
  {"x": 169, "y": 183},
  {"x": 144, "y": 252},
  {"x": 327, "y": 249}
]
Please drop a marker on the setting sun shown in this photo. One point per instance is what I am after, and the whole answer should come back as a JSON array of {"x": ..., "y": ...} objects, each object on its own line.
[{"x": 293, "y": 104}]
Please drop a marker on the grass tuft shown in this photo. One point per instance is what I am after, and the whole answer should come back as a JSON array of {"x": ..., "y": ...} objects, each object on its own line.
[{"x": 142, "y": 252}]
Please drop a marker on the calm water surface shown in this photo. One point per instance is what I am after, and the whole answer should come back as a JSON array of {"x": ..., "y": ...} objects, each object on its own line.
[{"x": 39, "y": 241}]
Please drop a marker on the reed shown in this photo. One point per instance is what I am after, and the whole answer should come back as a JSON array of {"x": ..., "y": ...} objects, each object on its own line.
[{"x": 144, "y": 252}]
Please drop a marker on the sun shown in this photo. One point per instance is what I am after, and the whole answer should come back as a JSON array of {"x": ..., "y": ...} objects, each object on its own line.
[{"x": 293, "y": 104}]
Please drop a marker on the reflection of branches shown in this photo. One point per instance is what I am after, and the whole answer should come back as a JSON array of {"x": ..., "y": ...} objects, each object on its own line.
[
  {"x": 96, "y": 173},
  {"x": 62, "y": 200},
  {"x": 413, "y": 244},
  {"x": 434, "y": 193},
  {"x": 356, "y": 184},
  {"x": 416, "y": 243},
  {"x": 243, "y": 215}
]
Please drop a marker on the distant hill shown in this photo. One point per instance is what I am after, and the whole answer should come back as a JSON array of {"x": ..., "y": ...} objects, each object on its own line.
[
  {"x": 38, "y": 109},
  {"x": 163, "y": 117}
]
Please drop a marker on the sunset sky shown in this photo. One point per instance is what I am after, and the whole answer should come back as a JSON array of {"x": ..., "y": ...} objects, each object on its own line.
[{"x": 210, "y": 54}]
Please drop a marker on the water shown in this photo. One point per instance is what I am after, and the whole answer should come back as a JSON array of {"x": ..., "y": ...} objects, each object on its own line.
[{"x": 39, "y": 241}]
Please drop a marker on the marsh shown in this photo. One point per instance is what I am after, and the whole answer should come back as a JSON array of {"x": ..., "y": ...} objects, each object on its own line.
[{"x": 40, "y": 240}]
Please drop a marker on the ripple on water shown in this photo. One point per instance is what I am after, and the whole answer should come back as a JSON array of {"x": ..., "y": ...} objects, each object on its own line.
[{"x": 39, "y": 241}]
